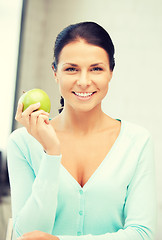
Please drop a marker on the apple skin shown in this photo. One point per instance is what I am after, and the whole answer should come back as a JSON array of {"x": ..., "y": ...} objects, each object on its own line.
[{"x": 34, "y": 96}]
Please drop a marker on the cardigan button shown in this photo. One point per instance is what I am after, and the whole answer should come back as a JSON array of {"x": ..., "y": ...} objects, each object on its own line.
[
  {"x": 80, "y": 212},
  {"x": 81, "y": 192}
]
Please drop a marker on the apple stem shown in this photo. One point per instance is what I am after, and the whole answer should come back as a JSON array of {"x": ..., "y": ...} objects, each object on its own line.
[{"x": 23, "y": 91}]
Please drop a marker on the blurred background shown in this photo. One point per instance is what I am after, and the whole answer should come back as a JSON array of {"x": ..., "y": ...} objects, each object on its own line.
[{"x": 28, "y": 31}]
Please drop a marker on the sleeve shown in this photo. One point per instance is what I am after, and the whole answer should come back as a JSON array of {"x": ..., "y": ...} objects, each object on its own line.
[
  {"x": 140, "y": 209},
  {"x": 33, "y": 198}
]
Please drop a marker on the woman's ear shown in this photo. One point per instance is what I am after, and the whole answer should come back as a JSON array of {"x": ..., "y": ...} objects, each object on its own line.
[
  {"x": 55, "y": 73},
  {"x": 55, "y": 76}
]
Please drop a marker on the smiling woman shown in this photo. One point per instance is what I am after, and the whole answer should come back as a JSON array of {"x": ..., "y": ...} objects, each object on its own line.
[{"x": 81, "y": 161}]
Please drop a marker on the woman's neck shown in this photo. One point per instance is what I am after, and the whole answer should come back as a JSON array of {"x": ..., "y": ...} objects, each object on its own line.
[{"x": 81, "y": 123}]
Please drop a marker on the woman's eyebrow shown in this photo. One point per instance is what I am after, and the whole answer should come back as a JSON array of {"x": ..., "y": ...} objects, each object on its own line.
[
  {"x": 75, "y": 65},
  {"x": 72, "y": 64},
  {"x": 95, "y": 64}
]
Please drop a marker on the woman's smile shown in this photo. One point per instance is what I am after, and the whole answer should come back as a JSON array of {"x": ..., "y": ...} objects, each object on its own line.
[{"x": 84, "y": 96}]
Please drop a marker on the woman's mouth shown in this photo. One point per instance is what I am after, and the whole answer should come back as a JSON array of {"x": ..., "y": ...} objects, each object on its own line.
[{"x": 84, "y": 95}]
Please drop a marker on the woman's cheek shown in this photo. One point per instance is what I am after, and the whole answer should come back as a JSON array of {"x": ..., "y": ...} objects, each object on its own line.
[{"x": 65, "y": 86}]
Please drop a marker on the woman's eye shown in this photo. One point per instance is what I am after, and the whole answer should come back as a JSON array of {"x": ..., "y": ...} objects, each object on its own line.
[
  {"x": 70, "y": 69},
  {"x": 96, "y": 69}
]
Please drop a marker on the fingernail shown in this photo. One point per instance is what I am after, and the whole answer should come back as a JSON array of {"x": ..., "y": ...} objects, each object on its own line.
[{"x": 38, "y": 104}]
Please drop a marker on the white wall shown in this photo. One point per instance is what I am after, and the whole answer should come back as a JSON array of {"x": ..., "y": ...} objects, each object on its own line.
[{"x": 10, "y": 14}]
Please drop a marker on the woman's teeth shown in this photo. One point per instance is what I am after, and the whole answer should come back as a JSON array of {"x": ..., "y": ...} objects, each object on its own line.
[{"x": 83, "y": 94}]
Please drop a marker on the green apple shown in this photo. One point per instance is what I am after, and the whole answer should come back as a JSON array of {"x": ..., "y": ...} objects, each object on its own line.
[{"x": 34, "y": 96}]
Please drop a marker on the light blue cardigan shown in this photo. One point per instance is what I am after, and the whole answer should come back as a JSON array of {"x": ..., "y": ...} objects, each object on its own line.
[{"x": 117, "y": 203}]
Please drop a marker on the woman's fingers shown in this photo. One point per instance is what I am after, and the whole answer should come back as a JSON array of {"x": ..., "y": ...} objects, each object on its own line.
[
  {"x": 19, "y": 111},
  {"x": 35, "y": 116},
  {"x": 38, "y": 125},
  {"x": 29, "y": 118},
  {"x": 21, "y": 116},
  {"x": 37, "y": 235},
  {"x": 30, "y": 109},
  {"x": 43, "y": 119}
]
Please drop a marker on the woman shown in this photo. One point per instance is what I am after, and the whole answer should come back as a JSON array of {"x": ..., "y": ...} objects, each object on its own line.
[{"x": 82, "y": 175}]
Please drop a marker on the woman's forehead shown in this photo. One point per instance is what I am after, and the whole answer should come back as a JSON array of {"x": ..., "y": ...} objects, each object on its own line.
[{"x": 82, "y": 51}]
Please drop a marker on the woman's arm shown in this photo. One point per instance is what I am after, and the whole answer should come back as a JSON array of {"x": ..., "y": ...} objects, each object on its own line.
[
  {"x": 140, "y": 203},
  {"x": 34, "y": 198}
]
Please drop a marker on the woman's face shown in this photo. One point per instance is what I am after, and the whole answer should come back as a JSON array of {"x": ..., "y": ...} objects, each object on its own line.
[{"x": 83, "y": 75}]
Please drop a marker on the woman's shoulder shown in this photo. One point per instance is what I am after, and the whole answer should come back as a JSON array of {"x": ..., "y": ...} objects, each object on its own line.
[{"x": 135, "y": 131}]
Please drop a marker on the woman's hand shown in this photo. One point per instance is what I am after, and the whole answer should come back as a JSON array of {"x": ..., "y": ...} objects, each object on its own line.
[
  {"x": 38, "y": 125},
  {"x": 37, "y": 235}
]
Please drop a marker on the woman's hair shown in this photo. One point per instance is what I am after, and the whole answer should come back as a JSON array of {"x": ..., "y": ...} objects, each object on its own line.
[{"x": 91, "y": 33}]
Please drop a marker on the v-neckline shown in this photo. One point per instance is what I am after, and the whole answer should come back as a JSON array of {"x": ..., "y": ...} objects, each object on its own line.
[{"x": 75, "y": 182}]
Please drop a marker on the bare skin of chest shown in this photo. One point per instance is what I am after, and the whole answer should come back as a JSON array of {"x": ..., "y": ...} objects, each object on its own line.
[{"x": 82, "y": 156}]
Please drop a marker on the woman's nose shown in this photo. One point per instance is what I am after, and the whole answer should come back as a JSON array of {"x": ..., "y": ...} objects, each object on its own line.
[{"x": 83, "y": 80}]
